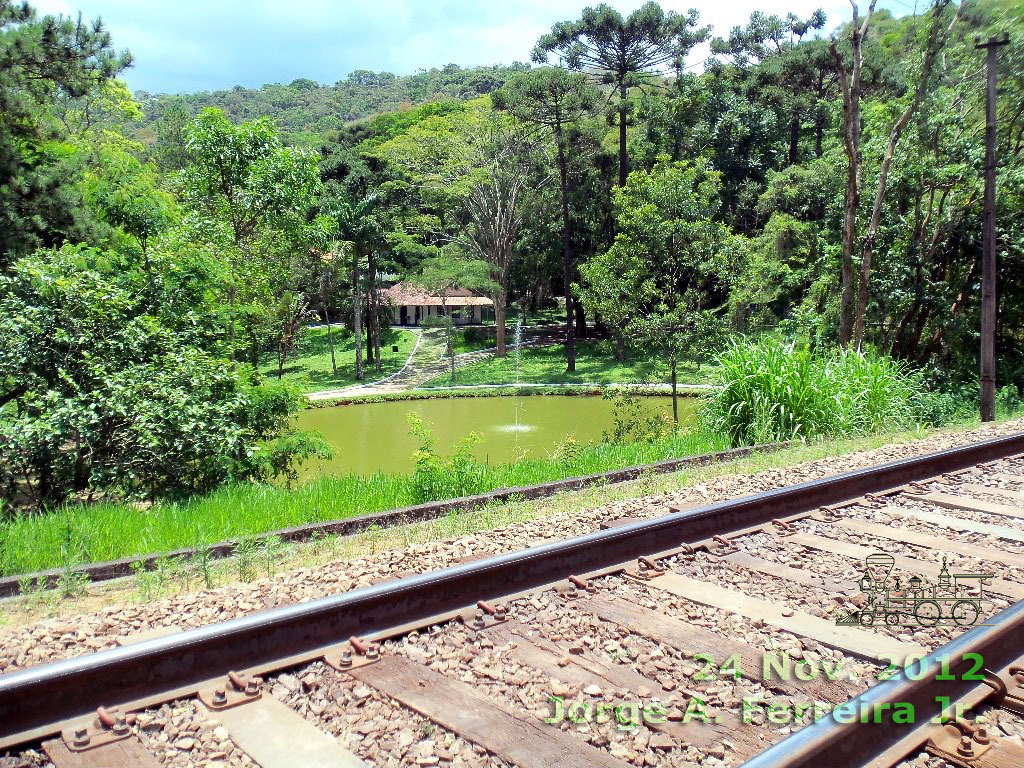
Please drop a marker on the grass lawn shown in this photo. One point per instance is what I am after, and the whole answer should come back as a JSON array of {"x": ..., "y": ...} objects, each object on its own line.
[
  {"x": 549, "y": 316},
  {"x": 483, "y": 338},
  {"x": 546, "y": 316},
  {"x": 311, "y": 370},
  {"x": 476, "y": 340},
  {"x": 595, "y": 364}
]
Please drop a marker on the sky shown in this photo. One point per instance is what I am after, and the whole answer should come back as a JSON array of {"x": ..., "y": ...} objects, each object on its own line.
[{"x": 194, "y": 45}]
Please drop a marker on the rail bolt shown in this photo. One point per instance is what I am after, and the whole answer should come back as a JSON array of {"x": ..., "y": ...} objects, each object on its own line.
[
  {"x": 966, "y": 746},
  {"x": 345, "y": 660},
  {"x": 981, "y": 735},
  {"x": 373, "y": 652},
  {"x": 220, "y": 697},
  {"x": 120, "y": 726},
  {"x": 252, "y": 686},
  {"x": 81, "y": 737}
]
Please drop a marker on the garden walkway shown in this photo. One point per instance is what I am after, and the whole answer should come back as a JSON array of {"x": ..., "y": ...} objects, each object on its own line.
[{"x": 426, "y": 362}]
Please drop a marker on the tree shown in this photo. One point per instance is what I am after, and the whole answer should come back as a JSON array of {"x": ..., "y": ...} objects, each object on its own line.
[
  {"x": 603, "y": 290},
  {"x": 780, "y": 63},
  {"x": 473, "y": 168},
  {"x": 293, "y": 314},
  {"x": 553, "y": 99},
  {"x": 327, "y": 271},
  {"x": 110, "y": 390},
  {"x": 244, "y": 181},
  {"x": 494, "y": 207},
  {"x": 937, "y": 37},
  {"x": 43, "y": 60},
  {"x": 102, "y": 110},
  {"x": 170, "y": 147},
  {"x": 851, "y": 89},
  {"x": 128, "y": 194},
  {"x": 442, "y": 274},
  {"x": 666, "y": 261},
  {"x": 360, "y": 224},
  {"x": 623, "y": 52}
]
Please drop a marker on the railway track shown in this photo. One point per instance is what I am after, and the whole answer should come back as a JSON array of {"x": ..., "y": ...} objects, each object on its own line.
[{"x": 712, "y": 635}]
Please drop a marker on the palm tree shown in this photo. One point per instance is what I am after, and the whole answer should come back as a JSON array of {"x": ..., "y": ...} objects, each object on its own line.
[{"x": 361, "y": 223}]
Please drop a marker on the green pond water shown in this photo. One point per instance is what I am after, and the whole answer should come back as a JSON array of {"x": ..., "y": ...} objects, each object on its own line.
[{"x": 374, "y": 437}]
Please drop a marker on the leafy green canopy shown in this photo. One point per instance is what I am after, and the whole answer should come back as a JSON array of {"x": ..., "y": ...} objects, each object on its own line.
[
  {"x": 547, "y": 96},
  {"x": 43, "y": 60},
  {"x": 556, "y": 101},
  {"x": 128, "y": 194},
  {"x": 623, "y": 52},
  {"x": 668, "y": 258},
  {"x": 249, "y": 198},
  {"x": 658, "y": 281},
  {"x": 244, "y": 176},
  {"x": 111, "y": 384}
]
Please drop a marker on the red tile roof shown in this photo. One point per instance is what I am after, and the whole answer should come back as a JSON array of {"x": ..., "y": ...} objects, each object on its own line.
[{"x": 410, "y": 295}]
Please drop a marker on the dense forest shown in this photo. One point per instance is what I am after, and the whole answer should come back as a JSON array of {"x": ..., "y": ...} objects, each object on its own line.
[
  {"x": 816, "y": 182},
  {"x": 304, "y": 110}
]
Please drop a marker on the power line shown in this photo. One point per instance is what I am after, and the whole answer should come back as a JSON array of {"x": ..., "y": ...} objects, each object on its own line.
[{"x": 909, "y": 8}]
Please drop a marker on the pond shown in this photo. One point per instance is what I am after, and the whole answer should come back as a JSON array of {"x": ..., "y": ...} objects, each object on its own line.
[{"x": 374, "y": 437}]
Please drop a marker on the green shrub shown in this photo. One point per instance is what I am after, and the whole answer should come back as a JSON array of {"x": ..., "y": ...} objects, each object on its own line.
[
  {"x": 632, "y": 419},
  {"x": 476, "y": 335},
  {"x": 937, "y": 406},
  {"x": 121, "y": 390},
  {"x": 437, "y": 477},
  {"x": 567, "y": 453},
  {"x": 1008, "y": 400},
  {"x": 773, "y": 391}
]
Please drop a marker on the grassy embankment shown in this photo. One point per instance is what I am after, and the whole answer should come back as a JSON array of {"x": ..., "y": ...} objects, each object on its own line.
[
  {"x": 311, "y": 368},
  {"x": 437, "y": 393},
  {"x": 101, "y": 531},
  {"x": 172, "y": 578}
]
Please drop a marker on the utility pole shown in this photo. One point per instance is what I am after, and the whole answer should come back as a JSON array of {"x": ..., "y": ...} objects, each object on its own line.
[{"x": 988, "y": 256}]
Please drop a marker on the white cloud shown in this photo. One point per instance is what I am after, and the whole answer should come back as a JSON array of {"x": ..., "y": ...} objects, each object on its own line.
[{"x": 190, "y": 45}]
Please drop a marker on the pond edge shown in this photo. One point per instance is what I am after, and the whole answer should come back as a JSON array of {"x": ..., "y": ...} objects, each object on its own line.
[{"x": 504, "y": 390}]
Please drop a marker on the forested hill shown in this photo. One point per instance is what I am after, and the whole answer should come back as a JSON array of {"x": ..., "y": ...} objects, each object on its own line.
[{"x": 306, "y": 108}]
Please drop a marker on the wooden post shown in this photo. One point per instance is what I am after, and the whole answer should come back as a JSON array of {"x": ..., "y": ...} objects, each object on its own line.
[{"x": 988, "y": 273}]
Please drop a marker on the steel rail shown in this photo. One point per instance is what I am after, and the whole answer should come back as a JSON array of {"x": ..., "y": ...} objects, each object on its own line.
[
  {"x": 837, "y": 743},
  {"x": 35, "y": 701}
]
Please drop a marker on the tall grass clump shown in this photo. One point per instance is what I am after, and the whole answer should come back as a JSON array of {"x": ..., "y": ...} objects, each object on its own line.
[{"x": 769, "y": 391}]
